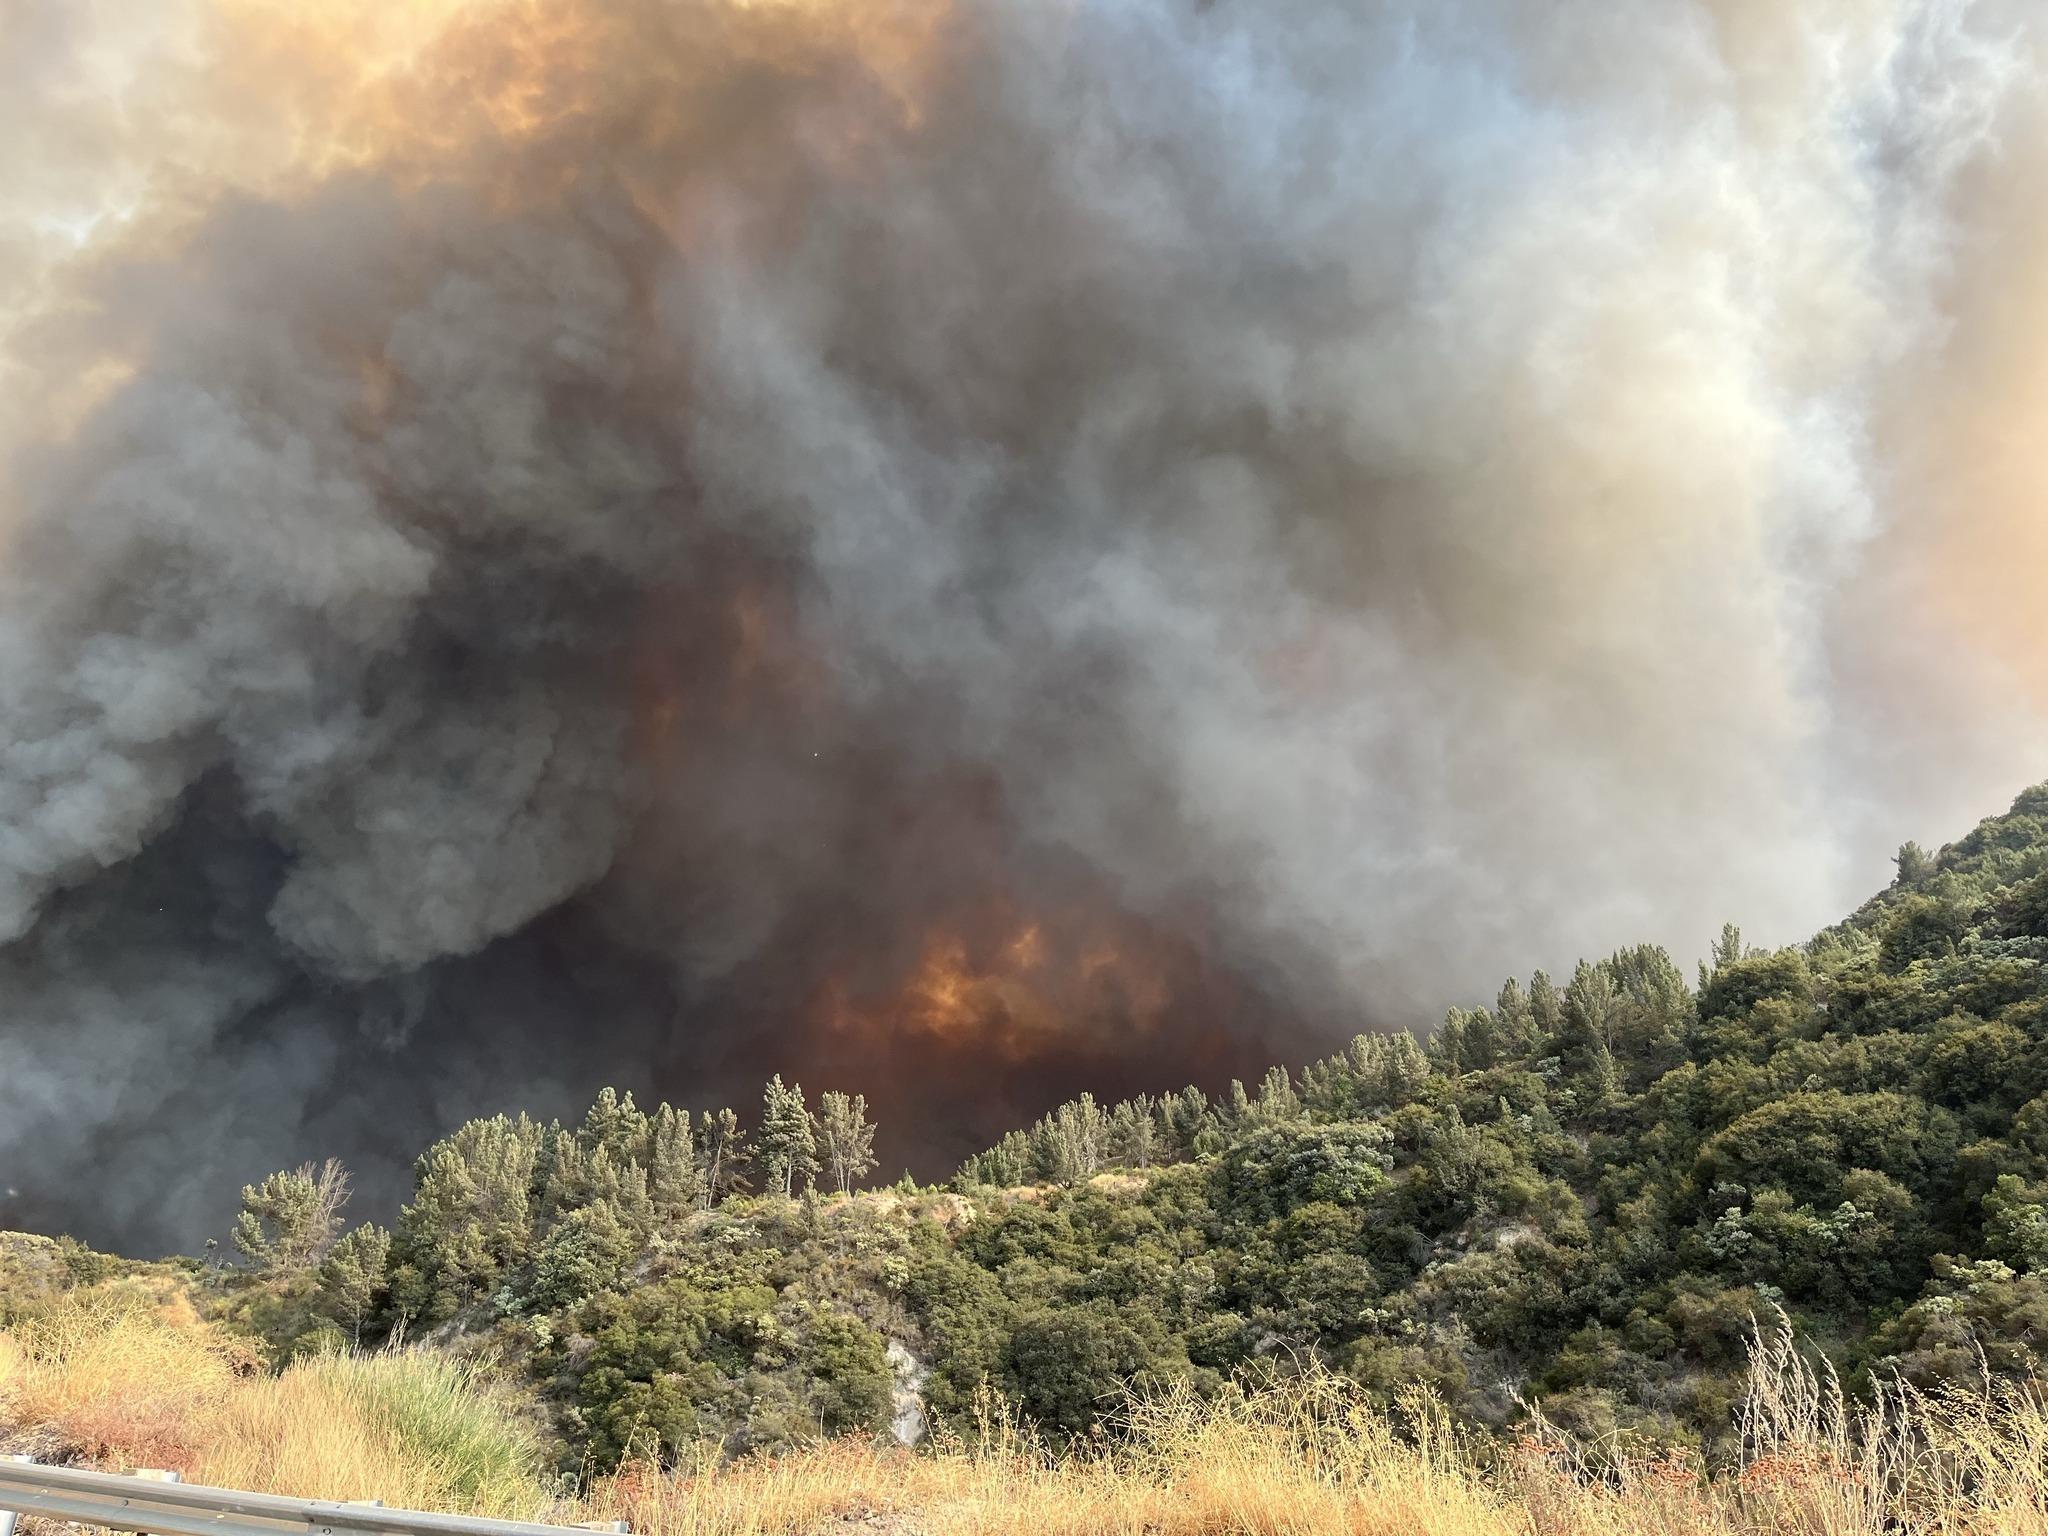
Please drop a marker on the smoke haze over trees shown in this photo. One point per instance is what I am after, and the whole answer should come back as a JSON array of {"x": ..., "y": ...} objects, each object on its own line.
[{"x": 963, "y": 550}]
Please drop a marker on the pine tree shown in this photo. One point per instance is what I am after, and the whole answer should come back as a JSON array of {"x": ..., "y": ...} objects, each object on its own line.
[
  {"x": 723, "y": 1154},
  {"x": 586, "y": 1252},
  {"x": 601, "y": 1176},
  {"x": 1166, "y": 1139},
  {"x": 846, "y": 1138},
  {"x": 1727, "y": 950},
  {"x": 674, "y": 1185},
  {"x": 1237, "y": 1105},
  {"x": 1188, "y": 1116},
  {"x": 288, "y": 1222},
  {"x": 1004, "y": 1166},
  {"x": 567, "y": 1185},
  {"x": 352, "y": 1275},
  {"x": 787, "y": 1143},
  {"x": 1277, "y": 1102},
  {"x": 635, "y": 1207},
  {"x": 1654, "y": 1012},
  {"x": 547, "y": 1157},
  {"x": 1133, "y": 1131},
  {"x": 1072, "y": 1140},
  {"x": 1447, "y": 1045},
  {"x": 1546, "y": 1011},
  {"x": 617, "y": 1125},
  {"x": 1590, "y": 1008},
  {"x": 1385, "y": 1072},
  {"x": 1482, "y": 1041},
  {"x": 272, "y": 1223},
  {"x": 471, "y": 1216},
  {"x": 1515, "y": 1020}
]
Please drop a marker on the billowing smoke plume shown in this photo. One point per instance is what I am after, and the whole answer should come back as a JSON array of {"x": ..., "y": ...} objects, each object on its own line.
[{"x": 963, "y": 550}]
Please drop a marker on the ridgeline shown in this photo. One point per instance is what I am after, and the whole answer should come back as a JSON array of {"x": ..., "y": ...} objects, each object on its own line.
[{"x": 1578, "y": 1198}]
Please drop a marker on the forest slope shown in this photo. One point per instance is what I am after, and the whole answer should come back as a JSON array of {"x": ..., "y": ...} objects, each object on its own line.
[{"x": 1576, "y": 1197}]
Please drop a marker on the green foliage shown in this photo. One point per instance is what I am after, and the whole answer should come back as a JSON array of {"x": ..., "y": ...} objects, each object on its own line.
[
  {"x": 1071, "y": 1143},
  {"x": 1807, "y": 1142},
  {"x": 584, "y": 1253},
  {"x": 1739, "y": 984},
  {"x": 2027, "y": 908},
  {"x": 2016, "y": 1224},
  {"x": 723, "y": 1156},
  {"x": 1577, "y": 1197},
  {"x": 1915, "y": 867},
  {"x": 1009, "y": 1162},
  {"x": 471, "y": 1217},
  {"x": 1279, "y": 1168},
  {"x": 786, "y": 1146},
  {"x": 675, "y": 1184},
  {"x": 1973, "y": 1314},
  {"x": 846, "y": 1139},
  {"x": 615, "y": 1126},
  {"x": 718, "y": 1349},
  {"x": 1921, "y": 927},
  {"x": 288, "y": 1221},
  {"x": 352, "y": 1278},
  {"x": 845, "y": 1366},
  {"x": 1066, "y": 1366}
]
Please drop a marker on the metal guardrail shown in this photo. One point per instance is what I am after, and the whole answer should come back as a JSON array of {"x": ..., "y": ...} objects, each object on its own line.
[{"x": 166, "y": 1508}]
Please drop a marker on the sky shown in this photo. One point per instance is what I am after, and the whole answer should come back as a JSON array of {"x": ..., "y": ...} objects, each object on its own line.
[{"x": 963, "y": 551}]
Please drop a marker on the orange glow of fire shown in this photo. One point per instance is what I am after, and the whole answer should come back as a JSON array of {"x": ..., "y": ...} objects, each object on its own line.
[
  {"x": 412, "y": 83},
  {"x": 703, "y": 658},
  {"x": 1013, "y": 999}
]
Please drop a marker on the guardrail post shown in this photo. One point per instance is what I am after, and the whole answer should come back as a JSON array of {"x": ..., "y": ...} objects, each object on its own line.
[{"x": 7, "y": 1516}]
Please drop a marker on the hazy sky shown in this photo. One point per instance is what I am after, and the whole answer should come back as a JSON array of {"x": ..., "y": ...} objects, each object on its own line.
[{"x": 992, "y": 547}]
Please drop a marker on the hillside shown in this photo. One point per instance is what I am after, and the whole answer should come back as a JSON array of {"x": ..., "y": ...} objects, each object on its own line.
[
  {"x": 123, "y": 1384},
  {"x": 1576, "y": 1199}
]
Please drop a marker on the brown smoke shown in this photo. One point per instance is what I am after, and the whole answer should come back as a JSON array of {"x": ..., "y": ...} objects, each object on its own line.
[{"x": 963, "y": 551}]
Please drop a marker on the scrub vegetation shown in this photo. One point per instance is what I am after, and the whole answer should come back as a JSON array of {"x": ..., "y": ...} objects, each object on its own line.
[{"x": 1513, "y": 1274}]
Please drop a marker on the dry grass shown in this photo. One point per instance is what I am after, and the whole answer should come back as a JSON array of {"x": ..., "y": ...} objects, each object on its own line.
[
  {"x": 1306, "y": 1457},
  {"x": 412, "y": 1428},
  {"x": 118, "y": 1382},
  {"x": 1311, "y": 1457},
  {"x": 126, "y": 1385}
]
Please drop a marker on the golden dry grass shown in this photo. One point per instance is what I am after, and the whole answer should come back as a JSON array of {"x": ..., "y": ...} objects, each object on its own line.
[
  {"x": 1311, "y": 1457},
  {"x": 412, "y": 1428},
  {"x": 118, "y": 1382},
  {"x": 1307, "y": 1457},
  {"x": 126, "y": 1385}
]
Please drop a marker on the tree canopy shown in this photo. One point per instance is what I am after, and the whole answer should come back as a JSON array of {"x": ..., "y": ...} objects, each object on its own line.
[{"x": 1575, "y": 1196}]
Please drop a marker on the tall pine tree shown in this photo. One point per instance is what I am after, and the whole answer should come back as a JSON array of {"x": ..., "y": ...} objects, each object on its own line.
[
  {"x": 846, "y": 1139},
  {"x": 674, "y": 1185},
  {"x": 724, "y": 1154},
  {"x": 787, "y": 1143}
]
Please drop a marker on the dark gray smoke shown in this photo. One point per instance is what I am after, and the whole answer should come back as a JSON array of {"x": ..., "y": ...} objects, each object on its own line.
[{"x": 549, "y": 544}]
